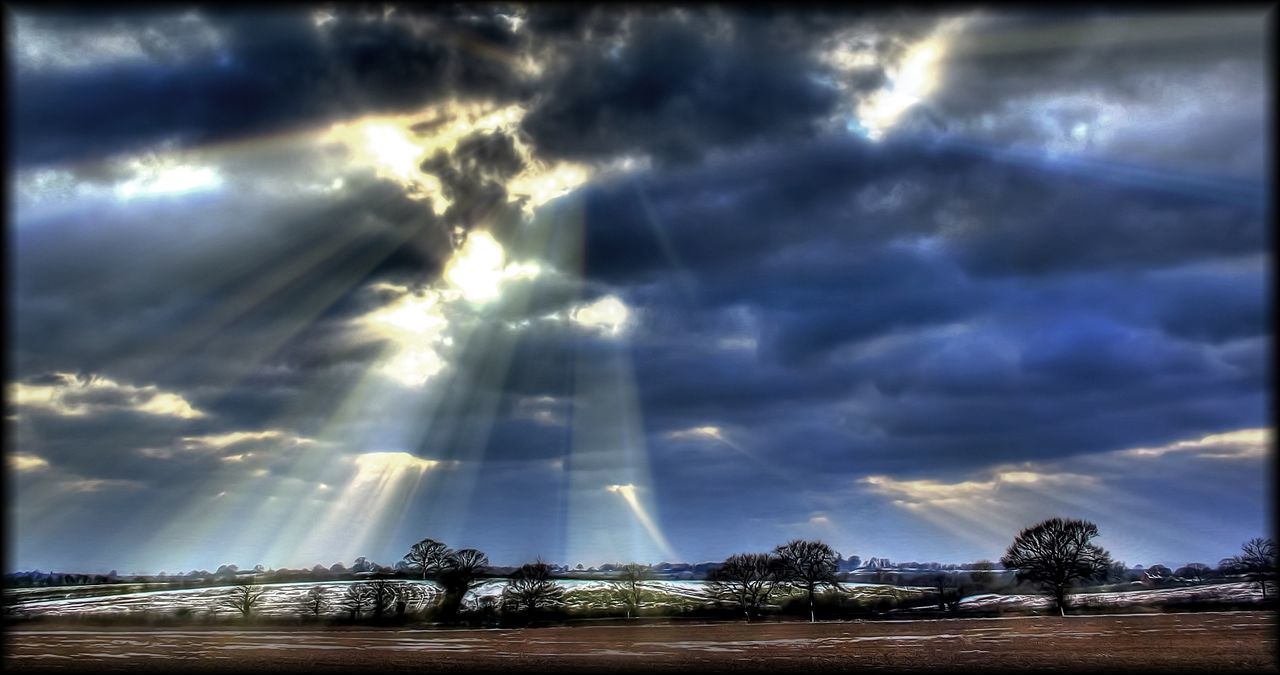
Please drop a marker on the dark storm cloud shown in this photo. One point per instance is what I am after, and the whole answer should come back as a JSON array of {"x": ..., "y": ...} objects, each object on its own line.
[
  {"x": 945, "y": 403},
  {"x": 843, "y": 199},
  {"x": 648, "y": 81},
  {"x": 1124, "y": 82},
  {"x": 474, "y": 176},
  {"x": 677, "y": 85},
  {"x": 995, "y": 55},
  {"x": 836, "y": 307},
  {"x": 272, "y": 72},
  {"x": 1109, "y": 321},
  {"x": 106, "y": 444}
]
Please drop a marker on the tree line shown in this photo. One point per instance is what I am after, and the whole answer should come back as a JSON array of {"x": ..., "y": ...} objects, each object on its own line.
[{"x": 1054, "y": 556}]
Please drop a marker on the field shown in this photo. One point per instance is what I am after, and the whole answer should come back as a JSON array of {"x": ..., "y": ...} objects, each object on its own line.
[
  {"x": 582, "y": 598},
  {"x": 281, "y": 600},
  {"x": 1204, "y": 641}
]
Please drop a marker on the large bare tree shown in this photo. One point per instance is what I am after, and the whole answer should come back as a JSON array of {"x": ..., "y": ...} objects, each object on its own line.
[
  {"x": 462, "y": 571},
  {"x": 808, "y": 565},
  {"x": 427, "y": 556},
  {"x": 315, "y": 602},
  {"x": 531, "y": 587},
  {"x": 243, "y": 598},
  {"x": 1057, "y": 553},
  {"x": 356, "y": 600},
  {"x": 629, "y": 586},
  {"x": 747, "y": 580},
  {"x": 382, "y": 595},
  {"x": 1257, "y": 561}
]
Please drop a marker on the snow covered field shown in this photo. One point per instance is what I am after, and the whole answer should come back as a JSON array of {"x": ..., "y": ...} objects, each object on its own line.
[
  {"x": 279, "y": 599},
  {"x": 282, "y": 600},
  {"x": 1232, "y": 592}
]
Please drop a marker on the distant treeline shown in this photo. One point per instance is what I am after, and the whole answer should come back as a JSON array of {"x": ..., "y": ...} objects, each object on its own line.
[
  {"x": 849, "y": 569},
  {"x": 1056, "y": 557}
]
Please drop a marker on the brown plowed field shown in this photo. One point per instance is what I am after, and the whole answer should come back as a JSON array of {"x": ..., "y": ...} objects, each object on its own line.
[{"x": 1210, "y": 641}]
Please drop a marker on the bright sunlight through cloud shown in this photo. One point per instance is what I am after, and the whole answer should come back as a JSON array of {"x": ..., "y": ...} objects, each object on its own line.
[
  {"x": 910, "y": 81},
  {"x": 608, "y": 315}
]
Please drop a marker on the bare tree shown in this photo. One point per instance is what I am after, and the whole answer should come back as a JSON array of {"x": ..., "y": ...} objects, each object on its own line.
[
  {"x": 949, "y": 589},
  {"x": 1117, "y": 572},
  {"x": 461, "y": 572},
  {"x": 1257, "y": 561},
  {"x": 1055, "y": 554},
  {"x": 531, "y": 587},
  {"x": 243, "y": 598},
  {"x": 315, "y": 602},
  {"x": 745, "y": 579},
  {"x": 807, "y": 565},
  {"x": 382, "y": 595},
  {"x": 407, "y": 594},
  {"x": 629, "y": 586},
  {"x": 427, "y": 556},
  {"x": 356, "y": 600}
]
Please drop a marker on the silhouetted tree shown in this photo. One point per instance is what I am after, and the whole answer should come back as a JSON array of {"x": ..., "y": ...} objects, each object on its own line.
[
  {"x": 531, "y": 587},
  {"x": 1257, "y": 561},
  {"x": 1196, "y": 572},
  {"x": 356, "y": 600},
  {"x": 949, "y": 589},
  {"x": 382, "y": 595},
  {"x": 1056, "y": 553},
  {"x": 243, "y": 598},
  {"x": 427, "y": 556},
  {"x": 629, "y": 586},
  {"x": 1117, "y": 572},
  {"x": 745, "y": 579},
  {"x": 315, "y": 602},
  {"x": 807, "y": 565},
  {"x": 461, "y": 572}
]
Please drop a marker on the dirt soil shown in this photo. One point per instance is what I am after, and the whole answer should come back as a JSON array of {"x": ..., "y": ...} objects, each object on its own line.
[{"x": 1203, "y": 642}]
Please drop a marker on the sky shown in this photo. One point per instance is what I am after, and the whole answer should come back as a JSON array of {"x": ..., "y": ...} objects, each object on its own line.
[{"x": 290, "y": 286}]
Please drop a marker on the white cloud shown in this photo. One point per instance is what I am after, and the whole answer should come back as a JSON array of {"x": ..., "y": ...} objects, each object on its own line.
[
  {"x": 417, "y": 323},
  {"x": 1007, "y": 489},
  {"x": 607, "y": 315},
  {"x": 37, "y": 46},
  {"x": 707, "y": 432},
  {"x": 390, "y": 146},
  {"x": 969, "y": 493},
  {"x": 544, "y": 410},
  {"x": 911, "y": 79},
  {"x": 22, "y": 462},
  {"x": 393, "y": 462},
  {"x": 219, "y": 441},
  {"x": 264, "y": 442},
  {"x": 74, "y": 396},
  {"x": 1240, "y": 444},
  {"x": 159, "y": 175},
  {"x": 476, "y": 269},
  {"x": 98, "y": 484},
  {"x": 745, "y": 342}
]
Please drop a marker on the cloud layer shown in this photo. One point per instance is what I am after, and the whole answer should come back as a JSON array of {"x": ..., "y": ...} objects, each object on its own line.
[{"x": 454, "y": 272}]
